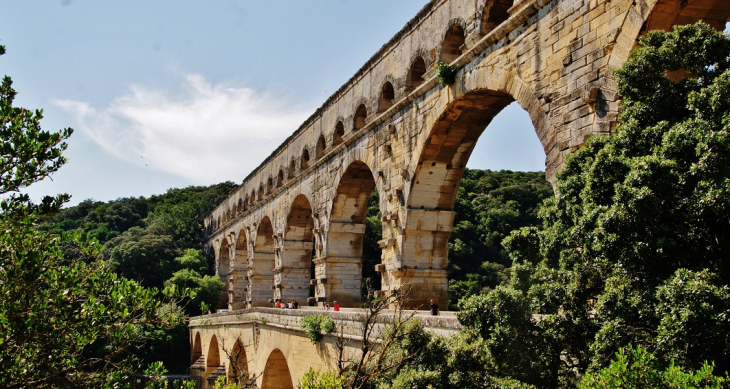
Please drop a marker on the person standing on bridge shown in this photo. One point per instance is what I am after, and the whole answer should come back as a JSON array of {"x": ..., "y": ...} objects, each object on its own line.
[
  {"x": 337, "y": 307},
  {"x": 434, "y": 309}
]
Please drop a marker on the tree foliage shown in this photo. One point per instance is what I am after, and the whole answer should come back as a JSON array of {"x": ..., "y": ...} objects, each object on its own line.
[
  {"x": 64, "y": 322},
  {"x": 633, "y": 250}
]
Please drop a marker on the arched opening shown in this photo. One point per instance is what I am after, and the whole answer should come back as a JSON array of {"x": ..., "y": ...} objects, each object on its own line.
[
  {"x": 261, "y": 275},
  {"x": 222, "y": 270},
  {"x": 434, "y": 190},
  {"x": 269, "y": 185},
  {"x": 296, "y": 257},
  {"x": 453, "y": 42},
  {"x": 261, "y": 191},
  {"x": 253, "y": 197},
  {"x": 212, "y": 360},
  {"x": 238, "y": 365},
  {"x": 321, "y": 146},
  {"x": 345, "y": 237},
  {"x": 305, "y": 158},
  {"x": 415, "y": 74},
  {"x": 224, "y": 260},
  {"x": 277, "y": 376},
  {"x": 280, "y": 178},
  {"x": 237, "y": 281},
  {"x": 240, "y": 205},
  {"x": 361, "y": 114},
  {"x": 494, "y": 13},
  {"x": 387, "y": 96},
  {"x": 339, "y": 134},
  {"x": 197, "y": 349},
  {"x": 292, "y": 169},
  {"x": 666, "y": 14}
]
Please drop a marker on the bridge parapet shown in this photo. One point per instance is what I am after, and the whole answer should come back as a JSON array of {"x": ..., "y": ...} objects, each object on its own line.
[
  {"x": 350, "y": 319},
  {"x": 268, "y": 344}
]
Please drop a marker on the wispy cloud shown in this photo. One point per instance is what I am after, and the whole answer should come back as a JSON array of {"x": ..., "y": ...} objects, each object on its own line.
[{"x": 206, "y": 130}]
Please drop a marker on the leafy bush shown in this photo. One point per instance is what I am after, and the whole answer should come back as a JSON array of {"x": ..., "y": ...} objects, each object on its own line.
[
  {"x": 446, "y": 73},
  {"x": 640, "y": 369},
  {"x": 326, "y": 380},
  {"x": 315, "y": 325}
]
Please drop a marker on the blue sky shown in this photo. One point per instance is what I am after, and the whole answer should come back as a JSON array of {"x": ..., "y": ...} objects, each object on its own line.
[{"x": 166, "y": 94}]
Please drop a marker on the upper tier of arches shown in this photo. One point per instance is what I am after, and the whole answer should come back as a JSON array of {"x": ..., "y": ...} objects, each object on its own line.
[{"x": 373, "y": 90}]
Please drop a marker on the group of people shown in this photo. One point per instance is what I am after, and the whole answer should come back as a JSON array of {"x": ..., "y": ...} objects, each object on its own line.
[
  {"x": 335, "y": 307},
  {"x": 290, "y": 305}
]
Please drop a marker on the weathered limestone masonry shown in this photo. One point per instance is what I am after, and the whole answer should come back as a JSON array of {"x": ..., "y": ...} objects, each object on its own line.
[
  {"x": 268, "y": 343},
  {"x": 393, "y": 128},
  {"x": 299, "y": 218}
]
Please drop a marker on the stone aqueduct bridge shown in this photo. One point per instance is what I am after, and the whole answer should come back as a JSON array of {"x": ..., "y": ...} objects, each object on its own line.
[{"x": 393, "y": 128}]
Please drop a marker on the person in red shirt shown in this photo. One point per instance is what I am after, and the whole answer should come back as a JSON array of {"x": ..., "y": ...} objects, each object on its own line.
[{"x": 337, "y": 306}]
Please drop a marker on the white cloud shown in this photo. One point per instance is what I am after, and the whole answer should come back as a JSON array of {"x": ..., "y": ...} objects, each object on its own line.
[{"x": 204, "y": 131}]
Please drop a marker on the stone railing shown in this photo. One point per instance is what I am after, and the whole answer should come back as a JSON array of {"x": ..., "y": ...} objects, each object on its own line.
[{"x": 349, "y": 321}]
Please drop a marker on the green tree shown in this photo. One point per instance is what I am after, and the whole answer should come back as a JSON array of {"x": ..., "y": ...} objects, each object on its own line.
[
  {"x": 63, "y": 323},
  {"x": 634, "y": 248},
  {"x": 144, "y": 255}
]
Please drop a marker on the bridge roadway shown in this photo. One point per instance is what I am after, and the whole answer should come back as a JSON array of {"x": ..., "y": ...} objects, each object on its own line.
[{"x": 261, "y": 337}]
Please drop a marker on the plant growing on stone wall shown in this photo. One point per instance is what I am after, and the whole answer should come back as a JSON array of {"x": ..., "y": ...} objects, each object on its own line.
[
  {"x": 315, "y": 325},
  {"x": 446, "y": 73}
]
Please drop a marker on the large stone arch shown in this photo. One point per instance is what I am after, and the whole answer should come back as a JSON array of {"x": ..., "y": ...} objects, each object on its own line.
[
  {"x": 647, "y": 15},
  {"x": 341, "y": 270},
  {"x": 261, "y": 271},
  {"x": 237, "y": 277},
  {"x": 277, "y": 376},
  {"x": 357, "y": 154},
  {"x": 475, "y": 85},
  {"x": 435, "y": 170},
  {"x": 292, "y": 277}
]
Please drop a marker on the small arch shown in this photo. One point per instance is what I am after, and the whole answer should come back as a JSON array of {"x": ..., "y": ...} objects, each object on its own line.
[
  {"x": 240, "y": 205},
  {"x": 451, "y": 48},
  {"x": 219, "y": 222},
  {"x": 261, "y": 191},
  {"x": 280, "y": 178},
  {"x": 387, "y": 96},
  {"x": 212, "y": 360},
  {"x": 415, "y": 73},
  {"x": 197, "y": 349},
  {"x": 339, "y": 134},
  {"x": 347, "y": 227},
  {"x": 253, "y": 197},
  {"x": 269, "y": 185},
  {"x": 277, "y": 376},
  {"x": 292, "y": 168},
  {"x": 238, "y": 364},
  {"x": 321, "y": 145},
  {"x": 361, "y": 114},
  {"x": 493, "y": 14},
  {"x": 305, "y": 159}
]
